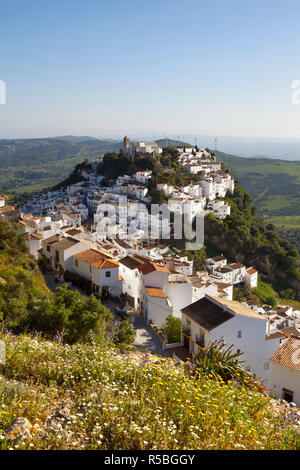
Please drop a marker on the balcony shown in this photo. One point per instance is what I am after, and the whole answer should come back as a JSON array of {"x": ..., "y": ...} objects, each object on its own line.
[
  {"x": 186, "y": 331},
  {"x": 200, "y": 341}
]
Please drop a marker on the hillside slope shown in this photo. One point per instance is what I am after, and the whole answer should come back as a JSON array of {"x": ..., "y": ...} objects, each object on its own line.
[
  {"x": 33, "y": 164},
  {"x": 245, "y": 237},
  {"x": 274, "y": 186},
  {"x": 94, "y": 397}
]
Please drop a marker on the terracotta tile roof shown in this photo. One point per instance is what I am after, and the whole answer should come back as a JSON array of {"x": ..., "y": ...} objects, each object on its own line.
[
  {"x": 34, "y": 236},
  {"x": 275, "y": 335},
  {"x": 7, "y": 209},
  {"x": 108, "y": 263},
  {"x": 288, "y": 355},
  {"x": 155, "y": 292},
  {"x": 236, "y": 265},
  {"x": 73, "y": 231},
  {"x": 97, "y": 259},
  {"x": 251, "y": 271},
  {"x": 151, "y": 267},
  {"x": 218, "y": 258},
  {"x": 133, "y": 262},
  {"x": 290, "y": 331},
  {"x": 51, "y": 240}
]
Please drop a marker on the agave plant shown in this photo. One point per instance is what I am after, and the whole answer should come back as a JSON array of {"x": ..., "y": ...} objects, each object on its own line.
[{"x": 220, "y": 362}]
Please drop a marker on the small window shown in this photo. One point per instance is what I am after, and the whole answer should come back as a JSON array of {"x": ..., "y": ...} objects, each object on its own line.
[
  {"x": 287, "y": 395},
  {"x": 76, "y": 263},
  {"x": 239, "y": 334},
  {"x": 48, "y": 248},
  {"x": 108, "y": 274}
]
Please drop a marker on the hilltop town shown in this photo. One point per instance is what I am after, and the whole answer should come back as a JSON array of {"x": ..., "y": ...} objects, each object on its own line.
[{"x": 100, "y": 231}]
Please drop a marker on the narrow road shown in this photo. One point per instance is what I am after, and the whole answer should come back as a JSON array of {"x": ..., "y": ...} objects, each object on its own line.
[{"x": 146, "y": 339}]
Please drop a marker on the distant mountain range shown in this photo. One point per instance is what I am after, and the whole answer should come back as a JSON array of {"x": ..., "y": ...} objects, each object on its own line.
[
  {"x": 29, "y": 165},
  {"x": 26, "y": 152}
]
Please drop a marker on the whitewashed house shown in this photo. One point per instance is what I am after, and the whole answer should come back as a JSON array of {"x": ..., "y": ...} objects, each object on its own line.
[
  {"x": 57, "y": 253},
  {"x": 100, "y": 269},
  {"x": 156, "y": 306},
  {"x": 285, "y": 371},
  {"x": 132, "y": 280},
  {"x": 33, "y": 242},
  {"x": 216, "y": 319},
  {"x": 216, "y": 262},
  {"x": 251, "y": 277},
  {"x": 142, "y": 177}
]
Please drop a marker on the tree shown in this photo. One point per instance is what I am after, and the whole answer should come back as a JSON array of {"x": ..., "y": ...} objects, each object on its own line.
[
  {"x": 172, "y": 329},
  {"x": 66, "y": 311},
  {"x": 126, "y": 333}
]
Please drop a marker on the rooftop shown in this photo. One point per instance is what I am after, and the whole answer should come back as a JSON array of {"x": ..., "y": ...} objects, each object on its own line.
[
  {"x": 288, "y": 354},
  {"x": 97, "y": 259},
  {"x": 155, "y": 292},
  {"x": 151, "y": 267}
]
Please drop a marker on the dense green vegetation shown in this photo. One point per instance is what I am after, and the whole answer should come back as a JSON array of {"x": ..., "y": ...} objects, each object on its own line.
[
  {"x": 245, "y": 237},
  {"x": 220, "y": 362},
  {"x": 274, "y": 186},
  {"x": 172, "y": 329},
  {"x": 262, "y": 294},
  {"x": 27, "y": 305}
]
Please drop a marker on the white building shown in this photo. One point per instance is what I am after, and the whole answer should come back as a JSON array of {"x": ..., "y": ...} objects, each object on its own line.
[
  {"x": 132, "y": 279},
  {"x": 251, "y": 277},
  {"x": 142, "y": 177},
  {"x": 148, "y": 147},
  {"x": 214, "y": 319},
  {"x": 57, "y": 253},
  {"x": 34, "y": 243},
  {"x": 101, "y": 270},
  {"x": 285, "y": 371}
]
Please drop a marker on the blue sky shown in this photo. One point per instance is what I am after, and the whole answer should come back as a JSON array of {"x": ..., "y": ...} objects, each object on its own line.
[{"x": 106, "y": 68}]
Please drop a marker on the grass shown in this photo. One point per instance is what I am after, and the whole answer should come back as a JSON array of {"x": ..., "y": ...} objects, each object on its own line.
[
  {"x": 128, "y": 401},
  {"x": 37, "y": 177},
  {"x": 285, "y": 222},
  {"x": 274, "y": 185}
]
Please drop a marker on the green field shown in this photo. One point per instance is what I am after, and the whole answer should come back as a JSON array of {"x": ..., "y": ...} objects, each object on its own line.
[
  {"x": 274, "y": 186},
  {"x": 30, "y": 165},
  {"x": 37, "y": 177}
]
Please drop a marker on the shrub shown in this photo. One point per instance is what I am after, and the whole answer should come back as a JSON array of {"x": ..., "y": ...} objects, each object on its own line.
[
  {"x": 216, "y": 361},
  {"x": 172, "y": 329}
]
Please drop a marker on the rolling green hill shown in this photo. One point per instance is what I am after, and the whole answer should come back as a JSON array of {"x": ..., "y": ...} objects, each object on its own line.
[
  {"x": 274, "y": 186},
  {"x": 28, "y": 165}
]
